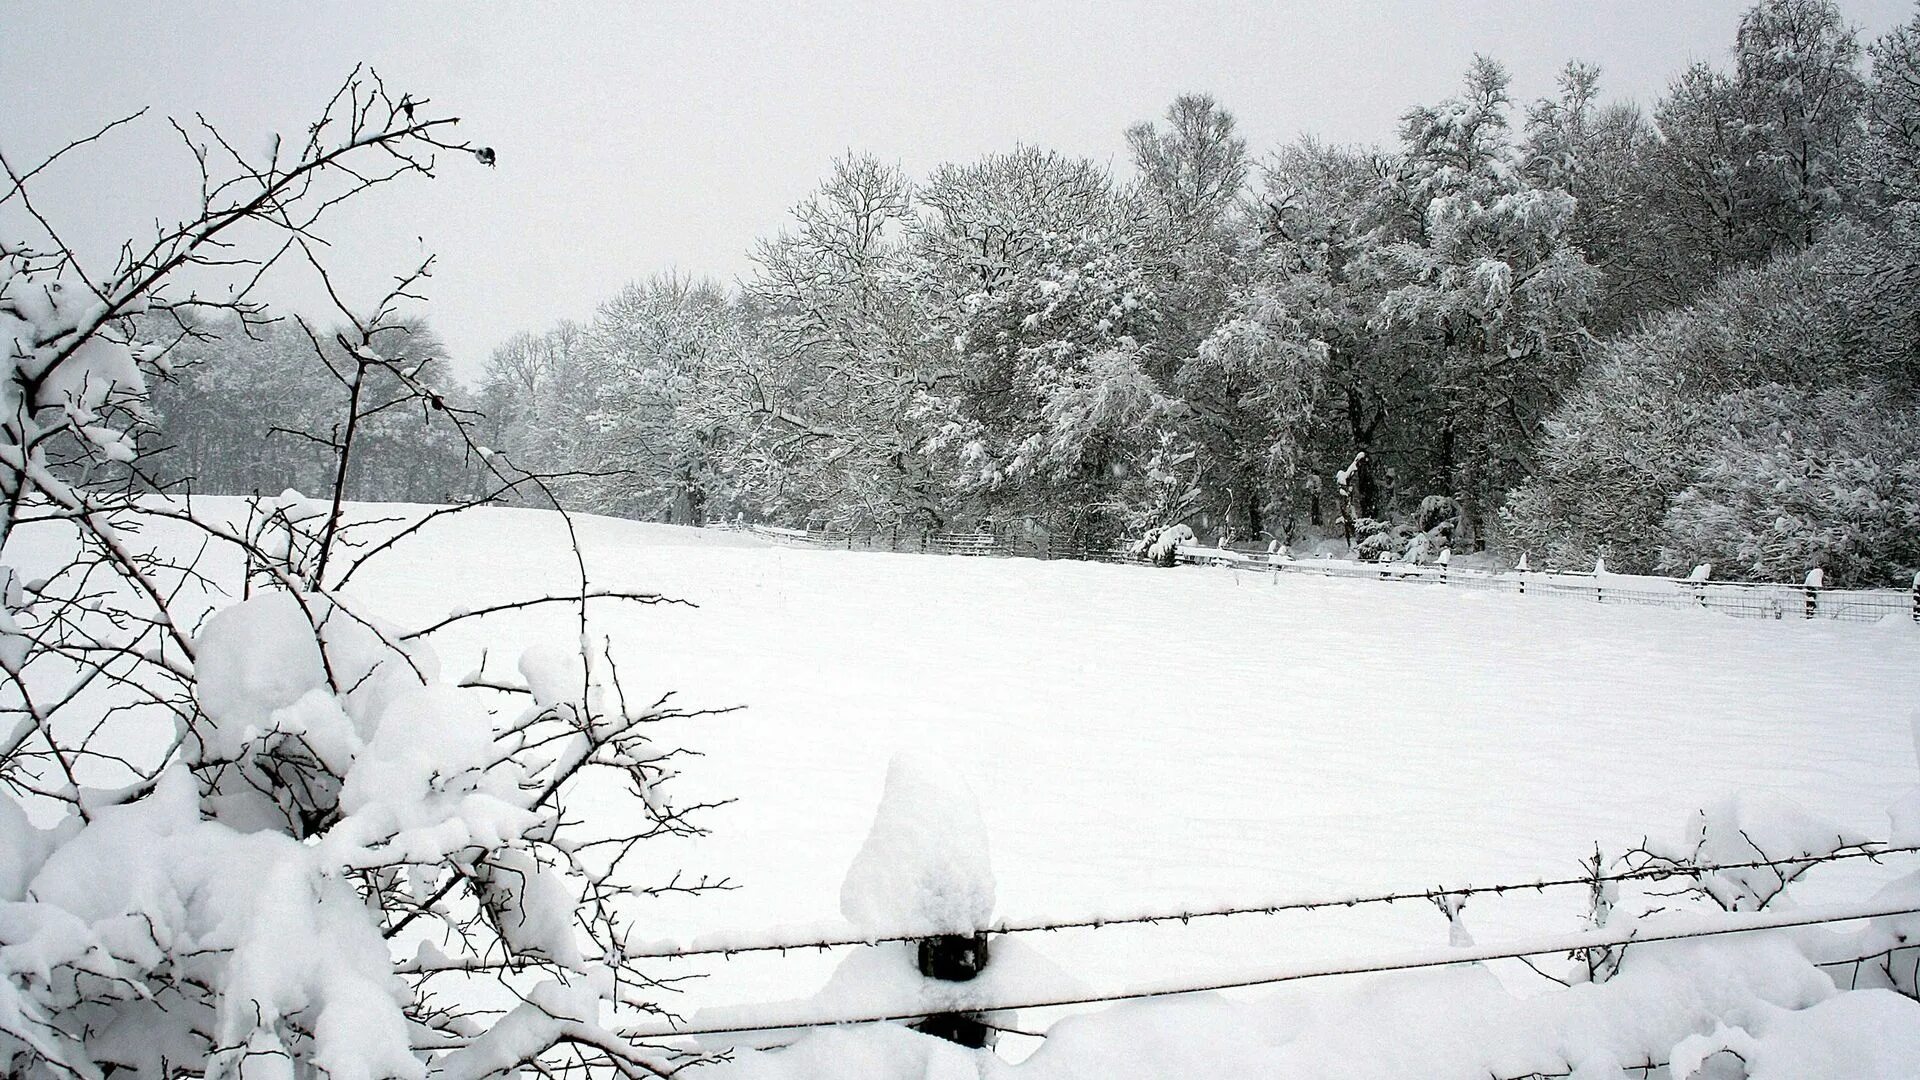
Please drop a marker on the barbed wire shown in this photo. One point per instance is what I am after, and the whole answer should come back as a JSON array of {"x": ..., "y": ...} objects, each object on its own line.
[
  {"x": 1660, "y": 872},
  {"x": 1749, "y": 922}
]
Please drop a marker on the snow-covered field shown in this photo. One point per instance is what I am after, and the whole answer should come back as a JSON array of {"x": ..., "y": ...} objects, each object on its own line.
[{"x": 1183, "y": 738}]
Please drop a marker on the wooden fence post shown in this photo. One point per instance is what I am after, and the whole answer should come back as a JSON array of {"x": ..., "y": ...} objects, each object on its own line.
[
  {"x": 1916, "y": 598},
  {"x": 1816, "y": 578},
  {"x": 1599, "y": 567},
  {"x": 954, "y": 958},
  {"x": 1700, "y": 574},
  {"x": 1522, "y": 568}
]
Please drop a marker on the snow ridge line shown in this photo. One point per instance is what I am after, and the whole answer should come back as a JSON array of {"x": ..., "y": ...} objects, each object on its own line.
[
  {"x": 1650, "y": 873},
  {"x": 1444, "y": 956}
]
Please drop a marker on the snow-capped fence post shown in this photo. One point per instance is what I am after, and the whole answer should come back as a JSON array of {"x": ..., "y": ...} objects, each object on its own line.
[
  {"x": 1522, "y": 569},
  {"x": 1916, "y": 597},
  {"x": 954, "y": 958},
  {"x": 1599, "y": 568},
  {"x": 1446, "y": 556},
  {"x": 1816, "y": 579},
  {"x": 925, "y": 865}
]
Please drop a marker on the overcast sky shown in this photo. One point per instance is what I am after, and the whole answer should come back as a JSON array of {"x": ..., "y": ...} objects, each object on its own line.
[{"x": 636, "y": 139}]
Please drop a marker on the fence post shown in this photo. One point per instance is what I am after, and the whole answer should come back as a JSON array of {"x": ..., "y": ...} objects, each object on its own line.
[
  {"x": 954, "y": 958},
  {"x": 1916, "y": 597},
  {"x": 1599, "y": 567},
  {"x": 1522, "y": 568},
  {"x": 1446, "y": 556},
  {"x": 1816, "y": 578}
]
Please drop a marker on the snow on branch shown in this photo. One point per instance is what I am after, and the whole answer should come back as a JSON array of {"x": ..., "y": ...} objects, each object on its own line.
[{"x": 247, "y": 826}]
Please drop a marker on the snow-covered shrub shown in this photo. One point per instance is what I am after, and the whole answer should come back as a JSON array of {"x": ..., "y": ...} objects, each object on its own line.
[
  {"x": 1687, "y": 394},
  {"x": 1376, "y": 540},
  {"x": 1438, "y": 513},
  {"x": 247, "y": 827},
  {"x": 1796, "y": 479},
  {"x": 1161, "y": 545}
]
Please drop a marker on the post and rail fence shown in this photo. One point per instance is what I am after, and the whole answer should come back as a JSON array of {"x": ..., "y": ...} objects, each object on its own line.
[{"x": 1810, "y": 599}]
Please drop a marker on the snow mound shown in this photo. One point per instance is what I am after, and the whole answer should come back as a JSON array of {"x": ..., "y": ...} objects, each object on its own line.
[{"x": 924, "y": 867}]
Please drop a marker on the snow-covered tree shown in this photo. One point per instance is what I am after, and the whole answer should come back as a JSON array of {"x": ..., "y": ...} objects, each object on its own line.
[
  {"x": 1797, "y": 63},
  {"x": 1652, "y": 416},
  {"x": 1036, "y": 279},
  {"x": 1490, "y": 297},
  {"x": 1753, "y": 160},
  {"x": 1326, "y": 211},
  {"x": 236, "y": 414},
  {"x": 534, "y": 399},
  {"x": 1795, "y": 479},
  {"x": 1249, "y": 394},
  {"x": 247, "y": 827},
  {"x": 662, "y": 360},
  {"x": 1599, "y": 153},
  {"x": 837, "y": 409},
  {"x": 1191, "y": 178},
  {"x": 1890, "y": 153}
]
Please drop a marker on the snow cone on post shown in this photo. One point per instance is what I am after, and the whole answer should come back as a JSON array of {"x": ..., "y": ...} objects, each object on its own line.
[{"x": 925, "y": 869}]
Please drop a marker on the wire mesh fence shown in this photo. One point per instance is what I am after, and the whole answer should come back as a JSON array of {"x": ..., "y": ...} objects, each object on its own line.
[{"x": 1753, "y": 600}]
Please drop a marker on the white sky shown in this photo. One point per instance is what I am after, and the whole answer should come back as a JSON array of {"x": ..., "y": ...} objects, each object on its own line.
[{"x": 640, "y": 138}]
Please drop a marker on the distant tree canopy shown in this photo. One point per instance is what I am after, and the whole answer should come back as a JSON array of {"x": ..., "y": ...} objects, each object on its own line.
[
  {"x": 1576, "y": 319},
  {"x": 249, "y": 409}
]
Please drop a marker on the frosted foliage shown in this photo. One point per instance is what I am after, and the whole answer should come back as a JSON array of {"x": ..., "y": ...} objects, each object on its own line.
[
  {"x": 256, "y": 659},
  {"x": 84, "y": 388},
  {"x": 191, "y": 900},
  {"x": 230, "y": 876},
  {"x": 924, "y": 866}
]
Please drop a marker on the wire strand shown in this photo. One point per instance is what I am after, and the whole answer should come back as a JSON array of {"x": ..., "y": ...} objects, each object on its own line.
[
  {"x": 1651, "y": 873},
  {"x": 1452, "y": 958}
]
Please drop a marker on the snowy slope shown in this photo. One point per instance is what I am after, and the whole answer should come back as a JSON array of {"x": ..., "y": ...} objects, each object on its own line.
[{"x": 1186, "y": 737}]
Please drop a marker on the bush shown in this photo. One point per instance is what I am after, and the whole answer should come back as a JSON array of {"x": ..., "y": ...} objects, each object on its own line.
[{"x": 1798, "y": 479}]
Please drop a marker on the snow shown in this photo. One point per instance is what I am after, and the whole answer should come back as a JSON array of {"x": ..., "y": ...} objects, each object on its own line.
[
  {"x": 255, "y": 658},
  {"x": 1176, "y": 738},
  {"x": 1818, "y": 1041},
  {"x": 924, "y": 865},
  {"x": 1131, "y": 738}
]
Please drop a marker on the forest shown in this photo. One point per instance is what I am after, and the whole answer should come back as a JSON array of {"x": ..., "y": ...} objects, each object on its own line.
[{"x": 1569, "y": 328}]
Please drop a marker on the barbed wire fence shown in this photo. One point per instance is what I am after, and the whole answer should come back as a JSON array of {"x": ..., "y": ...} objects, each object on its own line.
[
  {"x": 989, "y": 1012},
  {"x": 1806, "y": 601},
  {"x": 1661, "y": 872}
]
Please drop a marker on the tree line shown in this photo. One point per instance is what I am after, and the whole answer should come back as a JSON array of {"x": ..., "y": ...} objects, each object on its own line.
[{"x": 1568, "y": 327}]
